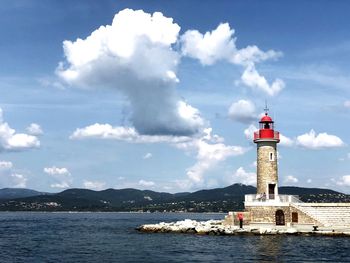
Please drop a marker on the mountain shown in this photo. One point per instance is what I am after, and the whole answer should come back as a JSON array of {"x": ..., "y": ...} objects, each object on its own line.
[
  {"x": 293, "y": 190},
  {"x": 318, "y": 195},
  {"x": 12, "y": 193},
  {"x": 116, "y": 197},
  {"x": 232, "y": 191},
  {"x": 211, "y": 200}
]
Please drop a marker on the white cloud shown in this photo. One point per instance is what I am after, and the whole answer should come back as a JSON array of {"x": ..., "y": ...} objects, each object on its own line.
[
  {"x": 146, "y": 183},
  {"x": 210, "y": 47},
  {"x": 62, "y": 176},
  {"x": 210, "y": 151},
  {"x": 20, "y": 141},
  {"x": 134, "y": 55},
  {"x": 55, "y": 170},
  {"x": 34, "y": 129},
  {"x": 291, "y": 179},
  {"x": 312, "y": 140},
  {"x": 9, "y": 177},
  {"x": 142, "y": 27},
  {"x": 94, "y": 185},
  {"x": 190, "y": 114},
  {"x": 309, "y": 140},
  {"x": 243, "y": 111},
  {"x": 285, "y": 141},
  {"x": 208, "y": 156},
  {"x": 249, "y": 132},
  {"x": 147, "y": 156},
  {"x": 344, "y": 181},
  {"x": 252, "y": 54},
  {"x": 244, "y": 177},
  {"x": 12, "y": 141},
  {"x": 347, "y": 104},
  {"x": 105, "y": 131},
  {"x": 309, "y": 181},
  {"x": 253, "y": 79},
  {"x": 219, "y": 44}
]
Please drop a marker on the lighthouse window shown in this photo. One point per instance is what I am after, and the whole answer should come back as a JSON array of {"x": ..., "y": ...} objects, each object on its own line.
[
  {"x": 271, "y": 157},
  {"x": 294, "y": 217}
]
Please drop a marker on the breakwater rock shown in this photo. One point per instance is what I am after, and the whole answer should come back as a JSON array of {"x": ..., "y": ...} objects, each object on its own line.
[{"x": 216, "y": 227}]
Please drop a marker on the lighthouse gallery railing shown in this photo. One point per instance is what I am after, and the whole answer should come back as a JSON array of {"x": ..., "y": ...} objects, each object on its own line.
[
  {"x": 275, "y": 198},
  {"x": 276, "y": 135}
]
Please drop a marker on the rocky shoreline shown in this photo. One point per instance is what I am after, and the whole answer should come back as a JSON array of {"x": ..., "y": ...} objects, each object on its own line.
[{"x": 216, "y": 227}]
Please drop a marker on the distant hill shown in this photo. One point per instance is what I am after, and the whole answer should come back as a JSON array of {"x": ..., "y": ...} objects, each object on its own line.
[
  {"x": 232, "y": 191},
  {"x": 12, "y": 193},
  {"x": 211, "y": 200},
  {"x": 293, "y": 190},
  {"x": 318, "y": 195},
  {"x": 116, "y": 197}
]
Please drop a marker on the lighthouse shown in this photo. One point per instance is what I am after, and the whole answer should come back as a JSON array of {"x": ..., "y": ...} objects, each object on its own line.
[{"x": 266, "y": 139}]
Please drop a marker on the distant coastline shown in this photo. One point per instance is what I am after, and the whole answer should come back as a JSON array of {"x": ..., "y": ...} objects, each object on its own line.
[{"x": 218, "y": 200}]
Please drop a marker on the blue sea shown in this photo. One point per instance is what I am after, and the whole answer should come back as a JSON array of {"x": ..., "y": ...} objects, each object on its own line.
[{"x": 111, "y": 237}]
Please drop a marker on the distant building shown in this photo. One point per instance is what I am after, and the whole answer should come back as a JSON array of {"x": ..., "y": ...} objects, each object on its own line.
[{"x": 268, "y": 207}]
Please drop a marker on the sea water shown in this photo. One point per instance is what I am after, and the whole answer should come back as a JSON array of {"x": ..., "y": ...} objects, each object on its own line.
[{"x": 111, "y": 237}]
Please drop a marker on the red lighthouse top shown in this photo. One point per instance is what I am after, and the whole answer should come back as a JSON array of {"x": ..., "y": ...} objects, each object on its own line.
[
  {"x": 266, "y": 118},
  {"x": 266, "y": 130}
]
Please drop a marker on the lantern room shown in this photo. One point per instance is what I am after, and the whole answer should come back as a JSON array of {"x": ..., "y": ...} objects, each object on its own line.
[
  {"x": 266, "y": 130},
  {"x": 266, "y": 123}
]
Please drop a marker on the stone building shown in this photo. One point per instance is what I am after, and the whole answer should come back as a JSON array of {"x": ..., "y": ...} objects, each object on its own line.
[{"x": 268, "y": 207}]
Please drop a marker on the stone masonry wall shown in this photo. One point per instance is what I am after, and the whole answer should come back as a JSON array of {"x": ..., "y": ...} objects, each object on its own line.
[
  {"x": 266, "y": 169},
  {"x": 302, "y": 217},
  {"x": 266, "y": 214},
  {"x": 232, "y": 218}
]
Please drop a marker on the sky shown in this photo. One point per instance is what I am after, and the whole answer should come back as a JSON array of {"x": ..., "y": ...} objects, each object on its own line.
[{"x": 165, "y": 95}]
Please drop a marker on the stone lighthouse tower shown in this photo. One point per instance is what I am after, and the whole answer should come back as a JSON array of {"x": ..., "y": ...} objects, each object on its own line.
[{"x": 267, "y": 173}]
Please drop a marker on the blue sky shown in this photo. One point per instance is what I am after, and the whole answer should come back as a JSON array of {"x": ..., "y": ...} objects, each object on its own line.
[{"x": 170, "y": 105}]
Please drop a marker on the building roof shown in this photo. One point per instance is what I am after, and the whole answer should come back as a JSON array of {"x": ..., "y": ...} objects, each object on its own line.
[{"x": 266, "y": 118}]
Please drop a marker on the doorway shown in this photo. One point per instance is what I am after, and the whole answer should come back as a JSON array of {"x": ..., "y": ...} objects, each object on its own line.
[
  {"x": 279, "y": 216},
  {"x": 272, "y": 191}
]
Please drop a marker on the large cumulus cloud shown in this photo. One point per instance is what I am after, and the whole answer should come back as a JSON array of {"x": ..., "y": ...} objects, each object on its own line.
[
  {"x": 312, "y": 140},
  {"x": 135, "y": 55}
]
